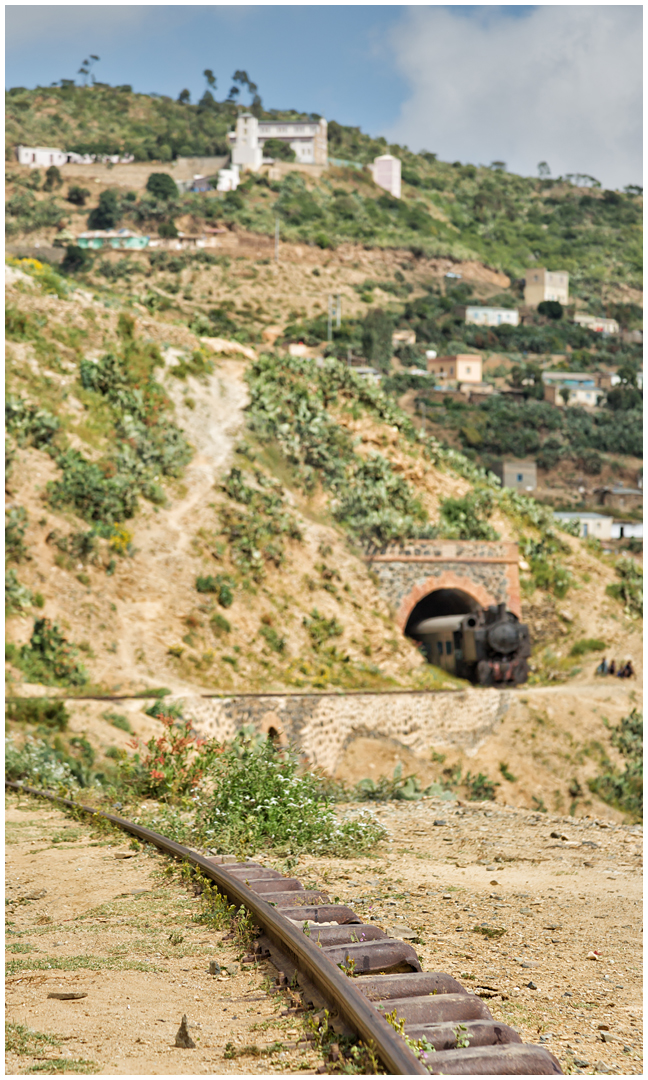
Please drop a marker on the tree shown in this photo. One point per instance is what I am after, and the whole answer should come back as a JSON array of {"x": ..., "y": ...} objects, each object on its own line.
[
  {"x": 377, "y": 332},
  {"x": 167, "y": 230},
  {"x": 184, "y": 97},
  {"x": 106, "y": 215},
  {"x": 552, "y": 309},
  {"x": 162, "y": 186},
  {"x": 77, "y": 195},
  {"x": 86, "y": 68},
  {"x": 76, "y": 260},
  {"x": 52, "y": 178},
  {"x": 207, "y": 102},
  {"x": 275, "y": 148},
  {"x": 543, "y": 170},
  {"x": 498, "y": 166},
  {"x": 565, "y": 394},
  {"x": 211, "y": 80}
]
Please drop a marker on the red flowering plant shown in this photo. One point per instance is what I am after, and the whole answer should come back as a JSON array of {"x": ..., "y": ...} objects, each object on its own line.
[{"x": 170, "y": 766}]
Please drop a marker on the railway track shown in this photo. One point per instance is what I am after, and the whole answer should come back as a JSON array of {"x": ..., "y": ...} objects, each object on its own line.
[{"x": 372, "y": 985}]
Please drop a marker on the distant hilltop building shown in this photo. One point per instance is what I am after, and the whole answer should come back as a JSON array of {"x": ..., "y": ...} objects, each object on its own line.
[
  {"x": 492, "y": 316},
  {"x": 541, "y": 284},
  {"x": 461, "y": 368},
  {"x": 44, "y": 156},
  {"x": 600, "y": 325},
  {"x": 309, "y": 140},
  {"x": 386, "y": 171},
  {"x": 571, "y": 388}
]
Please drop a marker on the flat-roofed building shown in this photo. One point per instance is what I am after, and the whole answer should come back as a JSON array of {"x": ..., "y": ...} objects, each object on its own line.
[
  {"x": 461, "y": 368},
  {"x": 571, "y": 388},
  {"x": 598, "y": 526},
  {"x": 541, "y": 284},
  {"x": 520, "y": 475},
  {"x": 386, "y": 171},
  {"x": 491, "y": 316},
  {"x": 308, "y": 139},
  {"x": 597, "y": 323}
]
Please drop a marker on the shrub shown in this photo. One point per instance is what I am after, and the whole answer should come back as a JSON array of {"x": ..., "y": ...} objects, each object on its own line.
[
  {"x": 53, "y": 178},
  {"x": 320, "y": 629},
  {"x": 552, "y": 309},
  {"x": 37, "y": 764},
  {"x": 377, "y": 332},
  {"x": 77, "y": 195},
  {"x": 585, "y": 645},
  {"x": 220, "y": 625},
  {"x": 221, "y": 585},
  {"x": 480, "y": 787},
  {"x": 255, "y": 528},
  {"x": 464, "y": 519},
  {"x": 162, "y": 186},
  {"x": 49, "y": 658},
  {"x": 167, "y": 230},
  {"x": 630, "y": 589},
  {"x": 17, "y": 596},
  {"x": 41, "y": 711},
  {"x": 261, "y": 800},
  {"x": 107, "y": 214},
  {"x": 171, "y": 766},
  {"x": 16, "y": 522},
  {"x": 77, "y": 260},
  {"x": 624, "y": 790},
  {"x": 30, "y": 424},
  {"x": 276, "y": 148},
  {"x": 118, "y": 720}
]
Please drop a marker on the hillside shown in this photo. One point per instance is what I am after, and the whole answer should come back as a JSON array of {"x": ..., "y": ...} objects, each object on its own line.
[
  {"x": 461, "y": 211},
  {"x": 190, "y": 504}
]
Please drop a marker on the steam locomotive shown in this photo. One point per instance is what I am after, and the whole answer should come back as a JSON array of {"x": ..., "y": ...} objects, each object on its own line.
[{"x": 490, "y": 647}]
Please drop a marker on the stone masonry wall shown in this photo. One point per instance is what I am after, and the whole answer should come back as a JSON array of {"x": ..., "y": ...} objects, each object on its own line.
[{"x": 322, "y": 725}]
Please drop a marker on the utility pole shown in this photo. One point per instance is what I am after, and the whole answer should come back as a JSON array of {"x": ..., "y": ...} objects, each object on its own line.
[{"x": 276, "y": 239}]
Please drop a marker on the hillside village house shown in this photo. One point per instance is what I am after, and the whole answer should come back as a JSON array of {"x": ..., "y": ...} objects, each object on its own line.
[
  {"x": 520, "y": 475},
  {"x": 491, "y": 316},
  {"x": 466, "y": 368},
  {"x": 625, "y": 530},
  {"x": 598, "y": 526},
  {"x": 580, "y": 388},
  {"x": 600, "y": 325},
  {"x": 541, "y": 284},
  {"x": 309, "y": 140},
  {"x": 44, "y": 156},
  {"x": 386, "y": 171}
]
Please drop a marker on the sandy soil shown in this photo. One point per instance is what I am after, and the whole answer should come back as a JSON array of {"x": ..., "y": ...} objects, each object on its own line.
[
  {"x": 563, "y": 912},
  {"x": 453, "y": 867},
  {"x": 103, "y": 928}
]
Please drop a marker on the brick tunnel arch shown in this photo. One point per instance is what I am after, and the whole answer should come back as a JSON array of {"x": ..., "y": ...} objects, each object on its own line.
[{"x": 445, "y": 594}]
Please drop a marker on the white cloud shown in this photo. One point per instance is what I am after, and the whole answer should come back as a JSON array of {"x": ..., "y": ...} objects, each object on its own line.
[{"x": 555, "y": 84}]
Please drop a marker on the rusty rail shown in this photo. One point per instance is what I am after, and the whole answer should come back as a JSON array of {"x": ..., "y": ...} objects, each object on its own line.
[{"x": 460, "y": 1031}]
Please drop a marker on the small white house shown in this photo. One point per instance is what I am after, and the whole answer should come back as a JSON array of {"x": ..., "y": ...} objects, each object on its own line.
[
  {"x": 386, "y": 171},
  {"x": 228, "y": 179},
  {"x": 40, "y": 156},
  {"x": 625, "y": 530},
  {"x": 599, "y": 324},
  {"x": 491, "y": 316},
  {"x": 597, "y": 526}
]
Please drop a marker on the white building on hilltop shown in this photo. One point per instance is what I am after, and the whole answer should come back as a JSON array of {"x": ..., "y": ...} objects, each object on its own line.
[
  {"x": 598, "y": 323},
  {"x": 541, "y": 284},
  {"x": 491, "y": 316},
  {"x": 308, "y": 139},
  {"x": 35, "y": 156},
  {"x": 386, "y": 171}
]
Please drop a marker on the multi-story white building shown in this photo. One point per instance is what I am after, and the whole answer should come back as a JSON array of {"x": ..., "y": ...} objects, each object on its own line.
[
  {"x": 386, "y": 171},
  {"x": 541, "y": 284},
  {"x": 599, "y": 324},
  {"x": 309, "y": 140},
  {"x": 491, "y": 316}
]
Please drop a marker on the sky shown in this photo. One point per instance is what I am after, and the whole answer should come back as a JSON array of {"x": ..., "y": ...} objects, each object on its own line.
[{"x": 520, "y": 84}]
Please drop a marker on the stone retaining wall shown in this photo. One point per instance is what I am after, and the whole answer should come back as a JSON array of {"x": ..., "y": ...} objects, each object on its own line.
[{"x": 323, "y": 725}]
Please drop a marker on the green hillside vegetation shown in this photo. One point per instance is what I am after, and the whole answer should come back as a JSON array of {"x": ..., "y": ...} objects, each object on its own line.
[{"x": 462, "y": 211}]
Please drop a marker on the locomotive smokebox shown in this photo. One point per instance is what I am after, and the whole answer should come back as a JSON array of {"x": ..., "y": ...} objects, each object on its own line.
[{"x": 490, "y": 646}]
